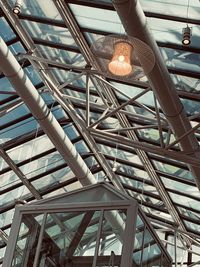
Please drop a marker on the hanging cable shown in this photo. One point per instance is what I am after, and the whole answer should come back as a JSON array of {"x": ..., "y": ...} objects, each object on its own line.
[{"x": 187, "y": 31}]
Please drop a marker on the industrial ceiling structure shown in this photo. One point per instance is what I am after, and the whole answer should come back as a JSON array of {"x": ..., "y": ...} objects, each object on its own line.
[{"x": 64, "y": 124}]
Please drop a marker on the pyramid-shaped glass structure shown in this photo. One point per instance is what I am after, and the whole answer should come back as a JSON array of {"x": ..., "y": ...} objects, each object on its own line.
[{"x": 93, "y": 226}]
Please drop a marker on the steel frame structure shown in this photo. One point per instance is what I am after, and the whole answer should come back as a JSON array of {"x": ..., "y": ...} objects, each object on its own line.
[
  {"x": 164, "y": 118},
  {"x": 123, "y": 202}
]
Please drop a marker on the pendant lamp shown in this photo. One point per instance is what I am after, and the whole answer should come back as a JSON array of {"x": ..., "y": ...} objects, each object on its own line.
[
  {"x": 120, "y": 63},
  {"x": 123, "y": 56}
]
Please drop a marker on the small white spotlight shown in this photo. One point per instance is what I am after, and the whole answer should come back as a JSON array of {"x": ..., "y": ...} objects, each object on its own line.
[
  {"x": 17, "y": 7},
  {"x": 186, "y": 36}
]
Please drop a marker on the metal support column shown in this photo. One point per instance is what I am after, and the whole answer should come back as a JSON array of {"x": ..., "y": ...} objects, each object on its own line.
[{"x": 135, "y": 24}]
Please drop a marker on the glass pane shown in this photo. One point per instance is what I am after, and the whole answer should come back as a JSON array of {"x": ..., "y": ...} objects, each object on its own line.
[
  {"x": 139, "y": 235},
  {"x": 151, "y": 255},
  {"x": 171, "y": 184},
  {"x": 27, "y": 240},
  {"x": 94, "y": 18},
  {"x": 185, "y": 201},
  {"x": 61, "y": 56},
  {"x": 53, "y": 34},
  {"x": 173, "y": 8},
  {"x": 6, "y": 89},
  {"x": 5, "y": 30},
  {"x": 39, "y": 8},
  {"x": 174, "y": 170},
  {"x": 75, "y": 237}
]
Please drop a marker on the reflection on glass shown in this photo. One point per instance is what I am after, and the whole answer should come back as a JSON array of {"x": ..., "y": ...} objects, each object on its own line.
[
  {"x": 147, "y": 252},
  {"x": 109, "y": 242},
  {"x": 138, "y": 241},
  {"x": 21, "y": 244},
  {"x": 58, "y": 239},
  {"x": 151, "y": 253},
  {"x": 53, "y": 34},
  {"x": 39, "y": 8},
  {"x": 94, "y": 18},
  {"x": 5, "y": 30},
  {"x": 26, "y": 241}
]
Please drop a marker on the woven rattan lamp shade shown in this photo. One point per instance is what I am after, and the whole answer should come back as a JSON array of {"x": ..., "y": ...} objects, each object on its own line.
[{"x": 123, "y": 56}]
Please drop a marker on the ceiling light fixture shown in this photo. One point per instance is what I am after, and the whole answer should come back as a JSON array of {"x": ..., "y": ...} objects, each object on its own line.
[
  {"x": 17, "y": 7},
  {"x": 123, "y": 56},
  {"x": 120, "y": 63},
  {"x": 186, "y": 36}
]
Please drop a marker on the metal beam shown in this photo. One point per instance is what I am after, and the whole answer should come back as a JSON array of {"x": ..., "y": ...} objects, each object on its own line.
[
  {"x": 13, "y": 71},
  {"x": 130, "y": 101},
  {"x": 79, "y": 233},
  {"x": 19, "y": 174},
  {"x": 66, "y": 104},
  {"x": 10, "y": 107},
  {"x": 25, "y": 89},
  {"x": 135, "y": 24},
  {"x": 135, "y": 144},
  {"x": 53, "y": 85},
  {"x": 73, "y": 27}
]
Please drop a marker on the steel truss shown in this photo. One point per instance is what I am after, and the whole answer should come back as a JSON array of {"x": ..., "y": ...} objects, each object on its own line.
[{"x": 106, "y": 93}]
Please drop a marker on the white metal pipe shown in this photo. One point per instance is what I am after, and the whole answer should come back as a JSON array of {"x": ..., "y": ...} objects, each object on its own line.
[
  {"x": 25, "y": 89},
  {"x": 135, "y": 24}
]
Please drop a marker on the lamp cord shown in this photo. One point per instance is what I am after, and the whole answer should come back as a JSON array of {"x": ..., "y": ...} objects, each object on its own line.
[{"x": 187, "y": 12}]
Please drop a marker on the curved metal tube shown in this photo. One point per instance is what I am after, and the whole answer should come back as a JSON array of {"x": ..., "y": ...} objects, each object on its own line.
[
  {"x": 135, "y": 24},
  {"x": 25, "y": 89}
]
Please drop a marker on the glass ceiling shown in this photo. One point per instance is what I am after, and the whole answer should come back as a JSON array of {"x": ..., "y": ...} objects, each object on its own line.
[{"x": 135, "y": 146}]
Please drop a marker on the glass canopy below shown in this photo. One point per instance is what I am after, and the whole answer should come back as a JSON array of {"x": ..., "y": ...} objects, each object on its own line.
[{"x": 94, "y": 226}]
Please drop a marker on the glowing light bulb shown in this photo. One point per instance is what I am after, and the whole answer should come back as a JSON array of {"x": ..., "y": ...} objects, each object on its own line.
[
  {"x": 17, "y": 7},
  {"x": 120, "y": 64},
  {"x": 121, "y": 58},
  {"x": 186, "y": 36}
]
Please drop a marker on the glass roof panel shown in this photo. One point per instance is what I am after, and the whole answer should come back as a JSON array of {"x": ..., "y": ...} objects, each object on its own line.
[
  {"x": 17, "y": 193},
  {"x": 119, "y": 153},
  {"x": 170, "y": 169},
  {"x": 52, "y": 179},
  {"x": 185, "y": 201},
  {"x": 171, "y": 8},
  {"x": 181, "y": 60},
  {"x": 22, "y": 137},
  {"x": 30, "y": 149},
  {"x": 193, "y": 226},
  {"x": 17, "y": 48},
  {"x": 6, "y": 89},
  {"x": 16, "y": 130},
  {"x": 138, "y": 185},
  {"x": 40, "y": 9},
  {"x": 172, "y": 184},
  {"x": 61, "y": 55},
  {"x": 8, "y": 179},
  {"x": 94, "y": 18},
  {"x": 186, "y": 83},
  {"x": 189, "y": 215},
  {"x": 15, "y": 114},
  {"x": 6, "y": 217},
  {"x": 6, "y": 32},
  {"x": 167, "y": 31},
  {"x": 17, "y": 126},
  {"x": 49, "y": 33}
]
